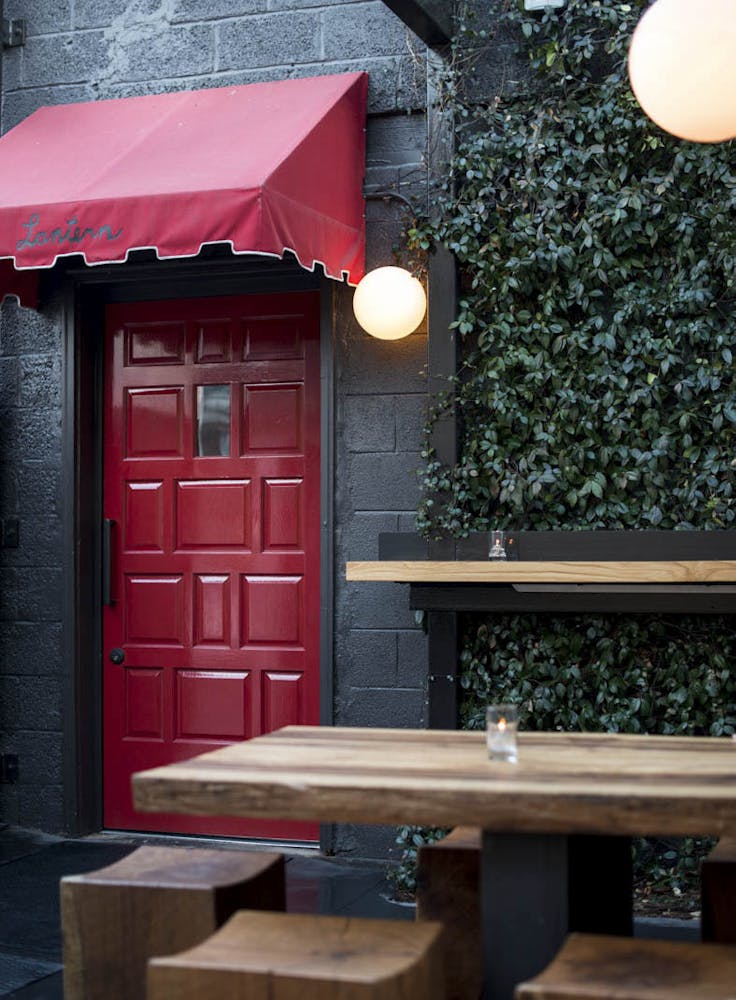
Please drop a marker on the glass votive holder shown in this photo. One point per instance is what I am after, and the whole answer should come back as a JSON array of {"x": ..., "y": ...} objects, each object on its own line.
[
  {"x": 497, "y": 548},
  {"x": 502, "y": 724}
]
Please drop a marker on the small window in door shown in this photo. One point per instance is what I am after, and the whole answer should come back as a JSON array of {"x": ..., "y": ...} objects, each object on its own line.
[{"x": 213, "y": 420}]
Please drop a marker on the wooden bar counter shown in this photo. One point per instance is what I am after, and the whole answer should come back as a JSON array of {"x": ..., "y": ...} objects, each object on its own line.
[{"x": 545, "y": 571}]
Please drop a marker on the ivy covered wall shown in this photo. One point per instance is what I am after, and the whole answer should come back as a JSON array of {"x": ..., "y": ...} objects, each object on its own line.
[{"x": 596, "y": 388}]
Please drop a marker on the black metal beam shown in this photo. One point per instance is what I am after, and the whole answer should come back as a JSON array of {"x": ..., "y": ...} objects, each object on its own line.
[
  {"x": 442, "y": 364},
  {"x": 632, "y": 599},
  {"x": 431, "y": 20},
  {"x": 537, "y": 888},
  {"x": 442, "y": 627},
  {"x": 442, "y": 683}
]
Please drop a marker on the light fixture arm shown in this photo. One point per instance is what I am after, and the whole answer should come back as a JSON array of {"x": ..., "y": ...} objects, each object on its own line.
[{"x": 388, "y": 195}]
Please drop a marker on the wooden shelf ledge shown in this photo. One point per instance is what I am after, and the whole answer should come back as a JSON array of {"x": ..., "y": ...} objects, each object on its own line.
[{"x": 460, "y": 571}]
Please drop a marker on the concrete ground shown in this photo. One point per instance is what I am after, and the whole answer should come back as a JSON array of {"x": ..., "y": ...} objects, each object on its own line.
[{"x": 31, "y": 865}]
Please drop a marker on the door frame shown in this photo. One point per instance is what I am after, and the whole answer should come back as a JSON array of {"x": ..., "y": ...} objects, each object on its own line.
[{"x": 84, "y": 294}]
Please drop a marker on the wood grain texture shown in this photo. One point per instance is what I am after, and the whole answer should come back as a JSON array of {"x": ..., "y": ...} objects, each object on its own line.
[
  {"x": 528, "y": 571},
  {"x": 448, "y": 890},
  {"x": 290, "y": 956},
  {"x": 596, "y": 967},
  {"x": 155, "y": 901},
  {"x": 718, "y": 893},
  {"x": 564, "y": 782}
]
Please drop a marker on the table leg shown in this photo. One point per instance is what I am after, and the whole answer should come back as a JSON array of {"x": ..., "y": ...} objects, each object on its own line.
[
  {"x": 536, "y": 888},
  {"x": 601, "y": 885},
  {"x": 523, "y": 909}
]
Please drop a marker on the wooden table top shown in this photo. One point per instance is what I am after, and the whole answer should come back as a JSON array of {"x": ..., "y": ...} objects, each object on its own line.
[
  {"x": 563, "y": 783},
  {"x": 547, "y": 571}
]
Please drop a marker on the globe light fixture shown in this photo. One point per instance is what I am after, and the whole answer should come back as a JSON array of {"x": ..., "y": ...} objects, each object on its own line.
[
  {"x": 389, "y": 303},
  {"x": 682, "y": 67}
]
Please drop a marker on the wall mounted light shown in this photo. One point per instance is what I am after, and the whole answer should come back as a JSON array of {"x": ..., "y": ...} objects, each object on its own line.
[
  {"x": 682, "y": 68},
  {"x": 389, "y": 303}
]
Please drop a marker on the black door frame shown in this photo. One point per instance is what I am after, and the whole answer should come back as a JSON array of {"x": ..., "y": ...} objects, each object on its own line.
[{"x": 85, "y": 292}]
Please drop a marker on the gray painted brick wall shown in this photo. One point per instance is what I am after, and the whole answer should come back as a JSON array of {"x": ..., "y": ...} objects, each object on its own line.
[
  {"x": 30, "y": 577},
  {"x": 86, "y": 49},
  {"x": 79, "y": 50},
  {"x": 380, "y": 654}
]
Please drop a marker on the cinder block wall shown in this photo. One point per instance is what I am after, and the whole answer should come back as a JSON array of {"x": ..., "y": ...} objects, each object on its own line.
[
  {"x": 79, "y": 50},
  {"x": 31, "y": 670}
]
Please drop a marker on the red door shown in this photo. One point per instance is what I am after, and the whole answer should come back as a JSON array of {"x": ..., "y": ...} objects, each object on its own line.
[{"x": 211, "y": 501}]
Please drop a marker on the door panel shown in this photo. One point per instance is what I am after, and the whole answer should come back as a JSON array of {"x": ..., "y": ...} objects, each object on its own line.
[{"x": 212, "y": 481}]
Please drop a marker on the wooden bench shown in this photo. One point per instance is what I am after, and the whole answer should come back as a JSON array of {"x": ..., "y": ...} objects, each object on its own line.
[
  {"x": 448, "y": 890},
  {"x": 718, "y": 893},
  {"x": 598, "y": 967},
  {"x": 295, "y": 956},
  {"x": 155, "y": 901}
]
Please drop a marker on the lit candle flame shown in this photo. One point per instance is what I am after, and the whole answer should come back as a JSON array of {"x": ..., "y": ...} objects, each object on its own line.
[{"x": 502, "y": 725}]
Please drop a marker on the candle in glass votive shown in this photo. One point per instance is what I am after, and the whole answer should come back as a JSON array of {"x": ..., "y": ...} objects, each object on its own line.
[{"x": 502, "y": 723}]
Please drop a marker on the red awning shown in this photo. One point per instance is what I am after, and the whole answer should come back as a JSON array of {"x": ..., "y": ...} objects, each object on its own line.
[{"x": 267, "y": 168}]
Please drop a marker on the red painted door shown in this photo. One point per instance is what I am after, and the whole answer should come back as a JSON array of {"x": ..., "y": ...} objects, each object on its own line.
[{"x": 211, "y": 480}]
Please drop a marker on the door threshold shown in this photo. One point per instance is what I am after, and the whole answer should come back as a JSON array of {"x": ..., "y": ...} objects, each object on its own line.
[{"x": 140, "y": 837}]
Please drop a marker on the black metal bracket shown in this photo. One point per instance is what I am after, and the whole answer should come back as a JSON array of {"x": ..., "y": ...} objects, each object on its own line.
[
  {"x": 442, "y": 677},
  {"x": 388, "y": 194},
  {"x": 14, "y": 32},
  {"x": 430, "y": 19}
]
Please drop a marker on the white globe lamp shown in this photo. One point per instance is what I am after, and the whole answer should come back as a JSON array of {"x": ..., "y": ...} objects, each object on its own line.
[
  {"x": 389, "y": 303},
  {"x": 682, "y": 67}
]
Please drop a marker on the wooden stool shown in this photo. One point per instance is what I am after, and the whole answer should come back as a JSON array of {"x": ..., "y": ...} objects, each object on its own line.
[
  {"x": 718, "y": 893},
  {"x": 448, "y": 890},
  {"x": 295, "y": 956},
  {"x": 155, "y": 901},
  {"x": 597, "y": 967}
]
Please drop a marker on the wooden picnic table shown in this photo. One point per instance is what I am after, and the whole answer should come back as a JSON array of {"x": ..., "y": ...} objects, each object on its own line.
[{"x": 557, "y": 825}]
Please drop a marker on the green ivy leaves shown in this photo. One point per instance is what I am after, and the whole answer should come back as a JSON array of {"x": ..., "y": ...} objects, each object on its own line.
[
  {"x": 597, "y": 257},
  {"x": 616, "y": 673},
  {"x": 597, "y": 260}
]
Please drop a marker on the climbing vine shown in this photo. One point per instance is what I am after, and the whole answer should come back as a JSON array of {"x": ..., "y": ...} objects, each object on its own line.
[{"x": 597, "y": 260}]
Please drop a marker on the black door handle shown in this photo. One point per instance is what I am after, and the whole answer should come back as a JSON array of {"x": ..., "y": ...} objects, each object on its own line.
[
  {"x": 117, "y": 655},
  {"x": 107, "y": 525}
]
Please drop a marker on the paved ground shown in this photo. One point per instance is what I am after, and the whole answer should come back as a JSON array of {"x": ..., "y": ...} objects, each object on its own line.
[{"x": 31, "y": 865}]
